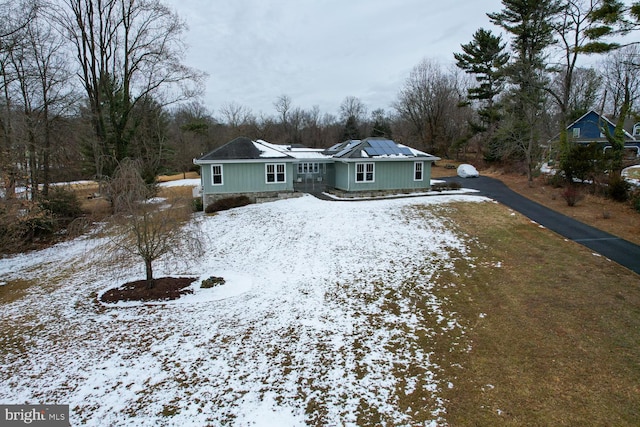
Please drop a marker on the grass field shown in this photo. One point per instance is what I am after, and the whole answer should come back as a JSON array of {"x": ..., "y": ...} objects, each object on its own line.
[
  {"x": 403, "y": 312},
  {"x": 553, "y": 332}
]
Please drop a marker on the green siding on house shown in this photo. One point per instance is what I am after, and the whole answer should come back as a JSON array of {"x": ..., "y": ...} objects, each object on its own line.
[
  {"x": 244, "y": 178},
  {"x": 342, "y": 173},
  {"x": 372, "y": 164},
  {"x": 389, "y": 175}
]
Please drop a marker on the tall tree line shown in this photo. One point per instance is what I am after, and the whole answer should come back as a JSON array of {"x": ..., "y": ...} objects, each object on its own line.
[
  {"x": 531, "y": 88},
  {"x": 89, "y": 83}
]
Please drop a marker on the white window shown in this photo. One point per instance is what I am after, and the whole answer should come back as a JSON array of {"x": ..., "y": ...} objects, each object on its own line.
[
  {"x": 417, "y": 171},
  {"x": 576, "y": 132},
  {"x": 275, "y": 172},
  {"x": 216, "y": 174},
  {"x": 308, "y": 168},
  {"x": 365, "y": 172}
]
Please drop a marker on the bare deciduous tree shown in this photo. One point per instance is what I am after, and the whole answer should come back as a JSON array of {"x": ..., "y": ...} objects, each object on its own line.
[
  {"x": 427, "y": 102},
  {"x": 14, "y": 18},
  {"x": 353, "y": 107},
  {"x": 127, "y": 51},
  {"x": 148, "y": 230},
  {"x": 236, "y": 115},
  {"x": 622, "y": 82},
  {"x": 44, "y": 92}
]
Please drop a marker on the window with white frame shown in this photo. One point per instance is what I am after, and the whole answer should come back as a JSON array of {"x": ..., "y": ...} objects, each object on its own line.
[
  {"x": 418, "y": 167},
  {"x": 305, "y": 168},
  {"x": 576, "y": 132},
  {"x": 275, "y": 173},
  {"x": 216, "y": 174},
  {"x": 365, "y": 172}
]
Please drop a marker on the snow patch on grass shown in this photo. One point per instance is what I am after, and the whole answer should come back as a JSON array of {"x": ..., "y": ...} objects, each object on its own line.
[{"x": 328, "y": 317}]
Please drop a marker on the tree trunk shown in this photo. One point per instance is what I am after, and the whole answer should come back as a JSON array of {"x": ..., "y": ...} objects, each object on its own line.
[{"x": 149, "y": 269}]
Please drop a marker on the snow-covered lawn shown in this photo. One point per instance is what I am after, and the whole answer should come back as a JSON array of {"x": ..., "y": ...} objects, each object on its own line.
[{"x": 328, "y": 317}]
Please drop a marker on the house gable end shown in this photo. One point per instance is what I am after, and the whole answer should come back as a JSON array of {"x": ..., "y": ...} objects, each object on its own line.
[{"x": 589, "y": 127}]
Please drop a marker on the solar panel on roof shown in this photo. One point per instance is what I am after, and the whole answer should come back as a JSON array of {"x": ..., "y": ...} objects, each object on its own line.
[
  {"x": 343, "y": 152},
  {"x": 388, "y": 143},
  {"x": 371, "y": 151},
  {"x": 379, "y": 143},
  {"x": 384, "y": 147}
]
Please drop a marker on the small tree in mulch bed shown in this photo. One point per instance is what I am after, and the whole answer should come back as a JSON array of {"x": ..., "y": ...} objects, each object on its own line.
[
  {"x": 165, "y": 288},
  {"x": 144, "y": 230}
]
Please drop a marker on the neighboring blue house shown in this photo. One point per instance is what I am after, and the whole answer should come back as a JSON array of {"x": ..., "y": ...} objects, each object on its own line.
[
  {"x": 591, "y": 128},
  {"x": 265, "y": 171}
]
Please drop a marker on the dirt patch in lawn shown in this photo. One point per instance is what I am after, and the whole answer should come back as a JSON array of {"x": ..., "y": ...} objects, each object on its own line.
[{"x": 164, "y": 289}]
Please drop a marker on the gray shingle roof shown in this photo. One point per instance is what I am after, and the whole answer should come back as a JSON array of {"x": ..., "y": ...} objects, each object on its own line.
[
  {"x": 239, "y": 148},
  {"x": 243, "y": 148}
]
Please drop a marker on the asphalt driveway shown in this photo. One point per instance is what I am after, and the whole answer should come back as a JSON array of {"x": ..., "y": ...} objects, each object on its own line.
[{"x": 619, "y": 250}]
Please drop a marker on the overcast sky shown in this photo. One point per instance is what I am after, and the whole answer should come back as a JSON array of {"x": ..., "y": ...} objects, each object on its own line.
[{"x": 320, "y": 51}]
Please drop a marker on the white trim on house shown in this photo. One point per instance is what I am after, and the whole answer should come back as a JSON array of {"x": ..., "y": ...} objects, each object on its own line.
[
  {"x": 309, "y": 168},
  {"x": 418, "y": 171},
  {"x": 278, "y": 172},
  {"x": 367, "y": 170},
  {"x": 219, "y": 173}
]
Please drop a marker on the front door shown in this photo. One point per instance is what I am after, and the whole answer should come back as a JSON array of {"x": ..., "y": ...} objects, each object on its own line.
[{"x": 310, "y": 177}]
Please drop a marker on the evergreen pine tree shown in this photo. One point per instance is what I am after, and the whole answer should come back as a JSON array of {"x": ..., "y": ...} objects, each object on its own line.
[
  {"x": 484, "y": 57},
  {"x": 530, "y": 23},
  {"x": 351, "y": 130}
]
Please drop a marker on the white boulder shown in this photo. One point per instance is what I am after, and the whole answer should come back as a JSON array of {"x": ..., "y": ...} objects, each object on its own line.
[{"x": 467, "y": 171}]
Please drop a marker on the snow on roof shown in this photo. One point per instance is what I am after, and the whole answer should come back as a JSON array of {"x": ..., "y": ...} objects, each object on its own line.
[
  {"x": 415, "y": 152},
  {"x": 268, "y": 150},
  {"x": 291, "y": 151},
  {"x": 244, "y": 148},
  {"x": 309, "y": 154}
]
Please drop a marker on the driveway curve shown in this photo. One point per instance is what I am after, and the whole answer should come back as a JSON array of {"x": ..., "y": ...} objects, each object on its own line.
[{"x": 615, "y": 248}]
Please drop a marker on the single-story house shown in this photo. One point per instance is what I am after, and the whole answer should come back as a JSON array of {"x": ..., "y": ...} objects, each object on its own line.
[{"x": 264, "y": 171}]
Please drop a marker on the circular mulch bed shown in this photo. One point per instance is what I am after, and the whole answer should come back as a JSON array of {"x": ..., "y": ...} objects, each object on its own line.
[{"x": 164, "y": 288}]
